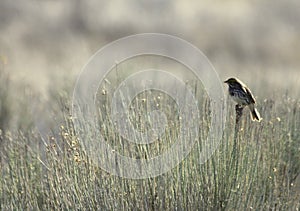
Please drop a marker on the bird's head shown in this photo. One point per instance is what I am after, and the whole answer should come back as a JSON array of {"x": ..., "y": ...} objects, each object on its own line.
[{"x": 231, "y": 81}]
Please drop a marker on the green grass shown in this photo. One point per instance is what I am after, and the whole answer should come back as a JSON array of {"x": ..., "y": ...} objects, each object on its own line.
[{"x": 260, "y": 172}]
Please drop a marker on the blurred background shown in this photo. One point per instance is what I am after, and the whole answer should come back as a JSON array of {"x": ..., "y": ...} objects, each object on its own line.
[{"x": 257, "y": 41}]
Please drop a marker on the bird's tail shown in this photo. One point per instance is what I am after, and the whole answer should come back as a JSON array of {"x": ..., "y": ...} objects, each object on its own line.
[{"x": 254, "y": 113}]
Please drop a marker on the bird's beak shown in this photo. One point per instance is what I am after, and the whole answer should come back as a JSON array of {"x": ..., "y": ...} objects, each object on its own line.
[{"x": 225, "y": 82}]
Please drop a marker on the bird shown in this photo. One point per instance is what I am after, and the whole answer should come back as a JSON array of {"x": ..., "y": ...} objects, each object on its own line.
[{"x": 242, "y": 95}]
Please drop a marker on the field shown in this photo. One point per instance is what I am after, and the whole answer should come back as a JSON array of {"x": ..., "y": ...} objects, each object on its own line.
[
  {"x": 51, "y": 157},
  {"x": 256, "y": 167}
]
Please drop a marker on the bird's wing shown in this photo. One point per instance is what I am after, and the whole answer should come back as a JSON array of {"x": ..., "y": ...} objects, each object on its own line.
[{"x": 251, "y": 98}]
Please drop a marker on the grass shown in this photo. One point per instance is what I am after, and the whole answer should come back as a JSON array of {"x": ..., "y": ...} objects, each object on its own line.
[{"x": 259, "y": 171}]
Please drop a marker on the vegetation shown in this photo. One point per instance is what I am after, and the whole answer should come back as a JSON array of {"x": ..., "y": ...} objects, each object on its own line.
[{"x": 259, "y": 171}]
